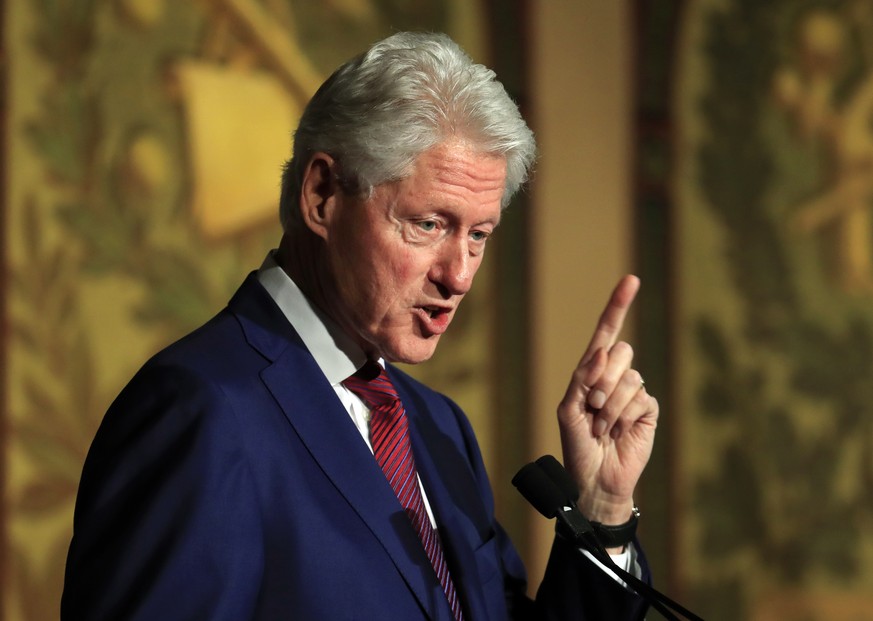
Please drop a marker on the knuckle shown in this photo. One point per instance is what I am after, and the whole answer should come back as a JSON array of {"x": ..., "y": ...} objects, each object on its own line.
[
  {"x": 623, "y": 348},
  {"x": 580, "y": 376},
  {"x": 633, "y": 377}
]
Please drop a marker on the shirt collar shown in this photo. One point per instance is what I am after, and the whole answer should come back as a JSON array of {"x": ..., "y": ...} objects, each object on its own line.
[{"x": 336, "y": 354}]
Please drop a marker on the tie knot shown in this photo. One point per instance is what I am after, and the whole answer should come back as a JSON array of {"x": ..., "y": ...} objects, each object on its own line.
[{"x": 372, "y": 385}]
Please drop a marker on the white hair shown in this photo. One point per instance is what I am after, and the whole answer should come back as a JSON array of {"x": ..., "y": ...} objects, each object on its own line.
[{"x": 407, "y": 94}]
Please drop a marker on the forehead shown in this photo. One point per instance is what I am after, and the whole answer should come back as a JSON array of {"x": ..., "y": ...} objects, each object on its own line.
[{"x": 455, "y": 170}]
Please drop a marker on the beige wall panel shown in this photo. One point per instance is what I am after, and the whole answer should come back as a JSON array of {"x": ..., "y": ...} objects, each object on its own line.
[{"x": 581, "y": 92}]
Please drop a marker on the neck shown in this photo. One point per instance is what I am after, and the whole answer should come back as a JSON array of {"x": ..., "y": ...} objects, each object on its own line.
[{"x": 301, "y": 256}]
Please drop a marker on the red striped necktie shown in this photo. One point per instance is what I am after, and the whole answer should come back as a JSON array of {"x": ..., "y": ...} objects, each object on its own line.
[{"x": 389, "y": 433}]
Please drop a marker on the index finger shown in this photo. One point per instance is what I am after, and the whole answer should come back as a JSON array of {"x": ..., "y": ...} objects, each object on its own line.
[{"x": 612, "y": 318}]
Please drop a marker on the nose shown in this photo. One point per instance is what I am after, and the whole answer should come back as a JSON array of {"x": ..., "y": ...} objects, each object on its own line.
[{"x": 454, "y": 268}]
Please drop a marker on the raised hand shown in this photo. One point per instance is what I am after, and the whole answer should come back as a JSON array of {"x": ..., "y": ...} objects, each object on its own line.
[{"x": 607, "y": 419}]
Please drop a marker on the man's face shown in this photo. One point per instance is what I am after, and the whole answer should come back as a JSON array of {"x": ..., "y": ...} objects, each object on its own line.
[{"x": 400, "y": 263}]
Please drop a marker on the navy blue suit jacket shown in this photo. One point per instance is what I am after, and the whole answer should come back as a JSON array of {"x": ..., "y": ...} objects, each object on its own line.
[{"x": 226, "y": 482}]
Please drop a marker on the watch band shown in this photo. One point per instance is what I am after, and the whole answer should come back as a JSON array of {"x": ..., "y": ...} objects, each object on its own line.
[{"x": 620, "y": 535}]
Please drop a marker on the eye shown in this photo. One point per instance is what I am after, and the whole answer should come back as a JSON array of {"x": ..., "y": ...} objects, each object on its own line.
[
  {"x": 478, "y": 235},
  {"x": 427, "y": 225}
]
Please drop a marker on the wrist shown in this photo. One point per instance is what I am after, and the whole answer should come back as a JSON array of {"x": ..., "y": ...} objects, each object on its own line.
[{"x": 606, "y": 510}]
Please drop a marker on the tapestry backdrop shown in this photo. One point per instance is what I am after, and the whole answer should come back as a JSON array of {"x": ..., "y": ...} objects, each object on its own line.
[
  {"x": 772, "y": 106},
  {"x": 144, "y": 145}
]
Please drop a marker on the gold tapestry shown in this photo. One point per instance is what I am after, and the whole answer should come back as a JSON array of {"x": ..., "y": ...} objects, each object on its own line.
[{"x": 774, "y": 191}]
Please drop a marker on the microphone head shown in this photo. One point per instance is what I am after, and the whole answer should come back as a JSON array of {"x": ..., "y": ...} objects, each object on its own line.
[
  {"x": 539, "y": 490},
  {"x": 559, "y": 475}
]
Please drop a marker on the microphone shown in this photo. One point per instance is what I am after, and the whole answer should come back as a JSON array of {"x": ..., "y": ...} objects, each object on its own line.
[
  {"x": 539, "y": 489},
  {"x": 559, "y": 475},
  {"x": 551, "y": 490}
]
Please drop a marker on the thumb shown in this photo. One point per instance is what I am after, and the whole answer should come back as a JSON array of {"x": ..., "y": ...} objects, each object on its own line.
[{"x": 587, "y": 373}]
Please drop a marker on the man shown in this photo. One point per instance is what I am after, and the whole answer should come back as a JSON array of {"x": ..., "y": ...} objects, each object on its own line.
[{"x": 234, "y": 477}]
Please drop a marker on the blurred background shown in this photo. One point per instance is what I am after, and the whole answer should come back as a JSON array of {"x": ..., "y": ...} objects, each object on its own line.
[{"x": 721, "y": 149}]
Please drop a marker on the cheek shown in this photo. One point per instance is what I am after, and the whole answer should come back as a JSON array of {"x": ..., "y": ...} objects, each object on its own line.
[
  {"x": 387, "y": 277},
  {"x": 394, "y": 282},
  {"x": 411, "y": 269}
]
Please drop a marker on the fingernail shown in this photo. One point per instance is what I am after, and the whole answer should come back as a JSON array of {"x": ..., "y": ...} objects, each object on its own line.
[
  {"x": 599, "y": 427},
  {"x": 597, "y": 399}
]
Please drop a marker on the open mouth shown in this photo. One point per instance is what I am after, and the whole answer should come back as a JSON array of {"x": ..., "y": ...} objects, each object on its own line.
[
  {"x": 433, "y": 311},
  {"x": 436, "y": 318}
]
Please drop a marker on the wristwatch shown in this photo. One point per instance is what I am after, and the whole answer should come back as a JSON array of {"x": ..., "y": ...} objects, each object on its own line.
[{"x": 620, "y": 535}]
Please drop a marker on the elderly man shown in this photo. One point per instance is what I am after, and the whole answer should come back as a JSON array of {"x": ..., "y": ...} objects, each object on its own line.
[{"x": 274, "y": 464}]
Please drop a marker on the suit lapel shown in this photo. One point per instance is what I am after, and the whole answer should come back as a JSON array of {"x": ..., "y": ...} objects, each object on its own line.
[
  {"x": 318, "y": 417},
  {"x": 454, "y": 498}
]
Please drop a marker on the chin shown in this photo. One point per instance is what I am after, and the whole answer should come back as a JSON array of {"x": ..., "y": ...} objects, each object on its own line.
[{"x": 412, "y": 353}]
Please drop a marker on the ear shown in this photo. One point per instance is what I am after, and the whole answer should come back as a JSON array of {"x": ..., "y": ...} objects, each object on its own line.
[{"x": 319, "y": 193}]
